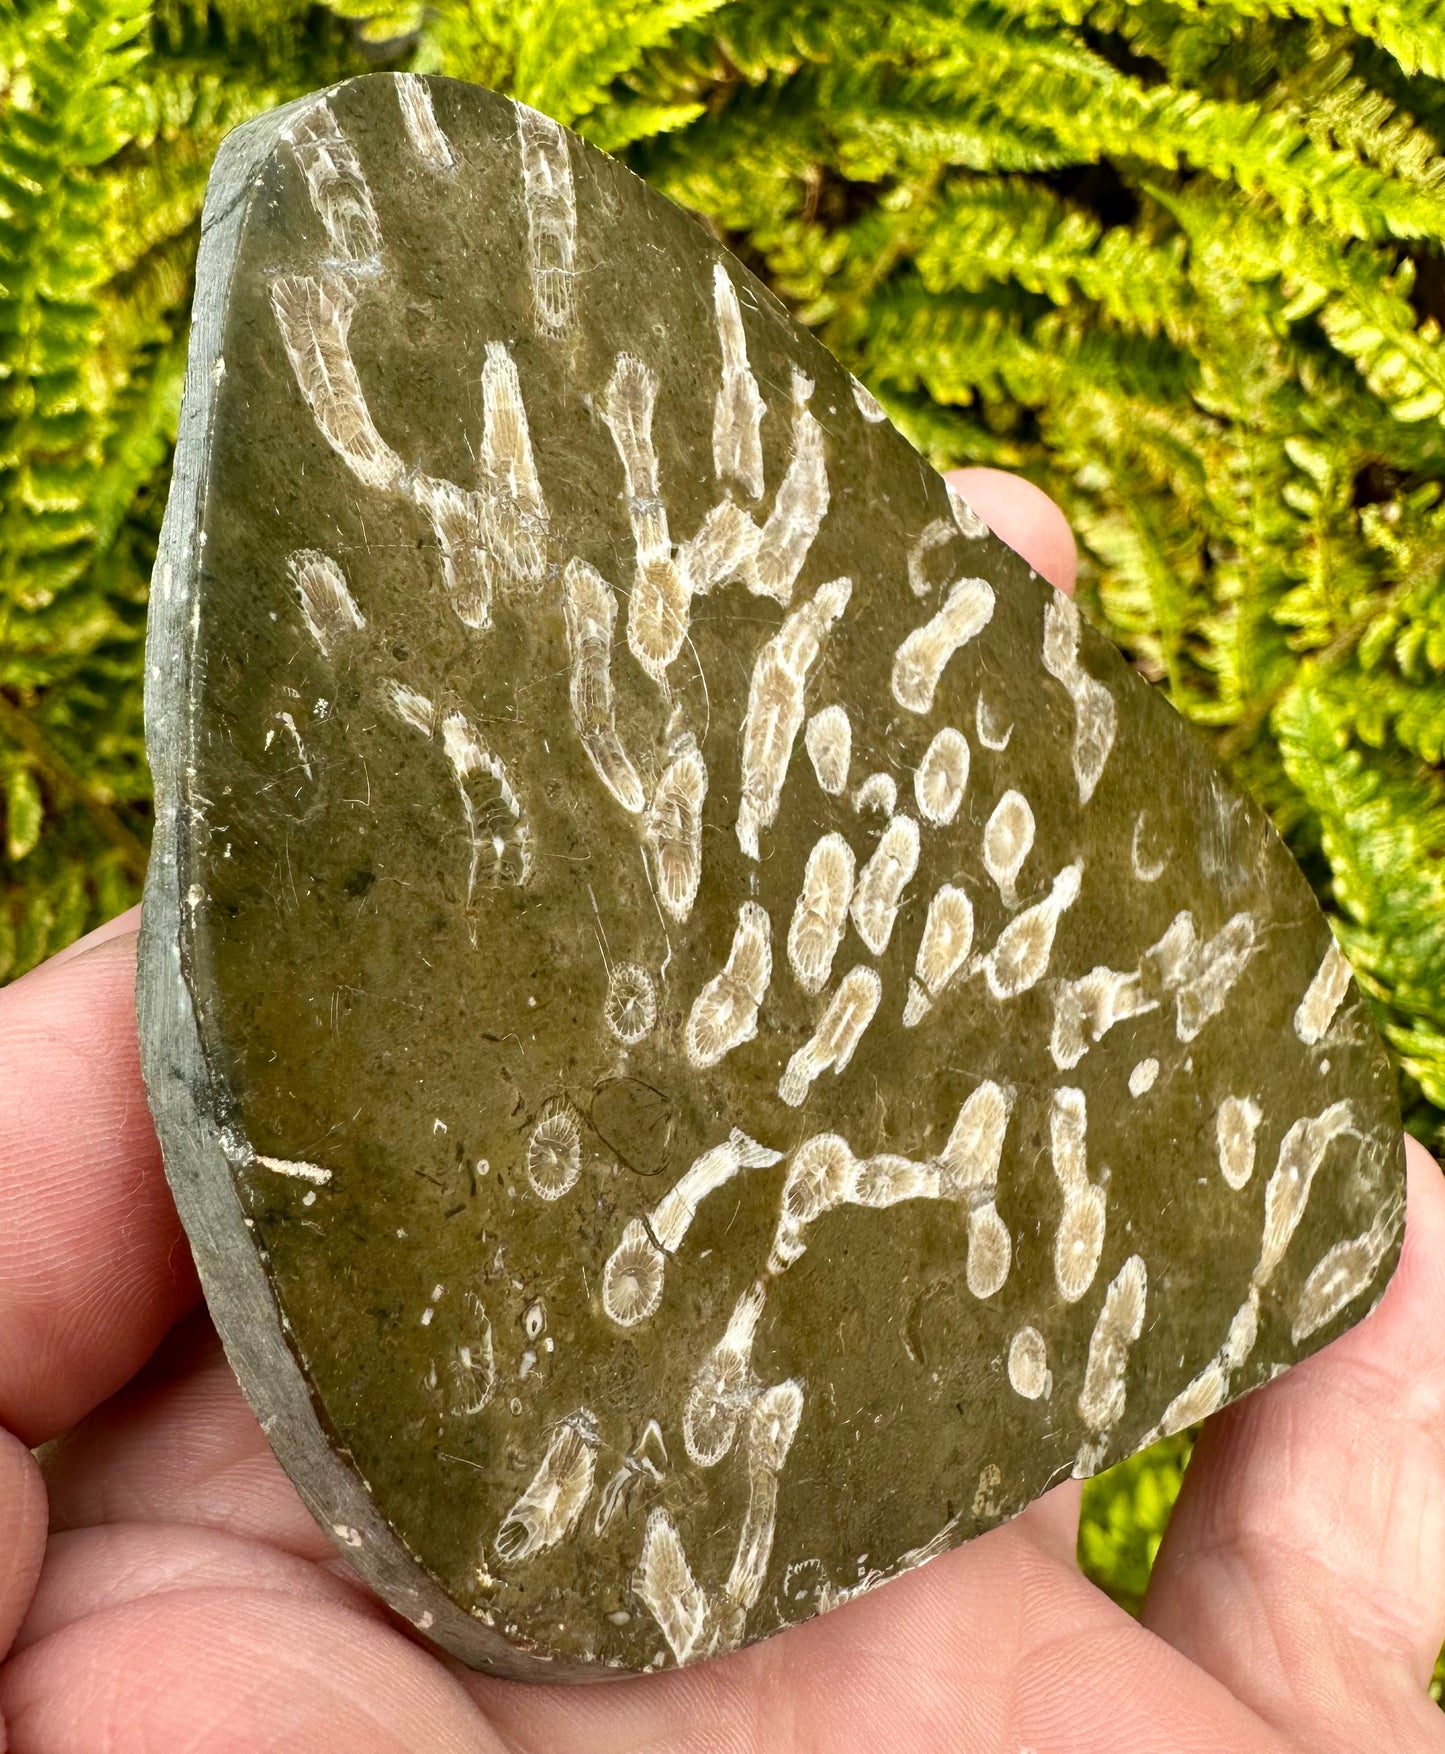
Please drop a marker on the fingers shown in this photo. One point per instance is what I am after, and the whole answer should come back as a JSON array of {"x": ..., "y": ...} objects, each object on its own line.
[
  {"x": 93, "y": 1264},
  {"x": 22, "y": 1535},
  {"x": 1026, "y": 518},
  {"x": 1305, "y": 1563},
  {"x": 89, "y": 1571},
  {"x": 234, "y": 1670},
  {"x": 123, "y": 925},
  {"x": 180, "y": 1445},
  {"x": 992, "y": 1649}
]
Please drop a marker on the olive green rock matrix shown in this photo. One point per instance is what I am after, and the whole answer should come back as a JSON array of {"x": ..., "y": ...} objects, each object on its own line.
[{"x": 712, "y": 1039}]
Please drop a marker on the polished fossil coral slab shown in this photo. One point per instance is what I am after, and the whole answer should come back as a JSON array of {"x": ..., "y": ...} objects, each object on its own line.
[{"x": 711, "y": 1038}]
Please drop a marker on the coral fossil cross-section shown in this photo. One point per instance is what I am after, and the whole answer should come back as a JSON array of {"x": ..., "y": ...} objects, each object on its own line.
[{"x": 711, "y": 1038}]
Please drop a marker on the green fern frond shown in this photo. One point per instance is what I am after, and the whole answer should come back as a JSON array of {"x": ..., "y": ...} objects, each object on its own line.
[
  {"x": 563, "y": 60},
  {"x": 1409, "y": 30},
  {"x": 1382, "y": 831}
]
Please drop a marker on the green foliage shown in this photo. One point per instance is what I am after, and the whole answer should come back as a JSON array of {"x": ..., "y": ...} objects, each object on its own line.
[
  {"x": 1180, "y": 261},
  {"x": 1126, "y": 1512}
]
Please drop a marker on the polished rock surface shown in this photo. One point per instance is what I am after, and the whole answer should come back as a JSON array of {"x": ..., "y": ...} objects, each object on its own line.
[{"x": 711, "y": 1038}]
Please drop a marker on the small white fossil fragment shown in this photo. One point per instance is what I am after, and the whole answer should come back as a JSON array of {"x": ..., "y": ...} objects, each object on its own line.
[
  {"x": 921, "y": 659},
  {"x": 869, "y": 406},
  {"x": 419, "y": 118},
  {"x": 1020, "y": 956},
  {"x": 829, "y": 740},
  {"x": 881, "y": 883},
  {"x": 1094, "y": 714},
  {"x": 932, "y": 536},
  {"x": 1317, "y": 1009},
  {"x": 631, "y": 1008},
  {"x": 821, "y": 914},
  {"x": 296, "y": 1171},
  {"x": 414, "y": 708},
  {"x": 554, "y": 1150},
  {"x": 1147, "y": 871},
  {"x": 878, "y": 792},
  {"x": 550, "y": 1506},
  {"x": 941, "y": 778},
  {"x": 737, "y": 450},
  {"x": 590, "y": 613},
  {"x": 774, "y": 713},
  {"x": 551, "y": 206},
  {"x": 848, "y": 1014},
  {"x": 1235, "y": 1124},
  {"x": 942, "y": 951},
  {"x": 1143, "y": 1077},
  {"x": 673, "y": 830},
  {"x": 970, "y": 524},
  {"x": 1008, "y": 838},
  {"x": 327, "y": 605},
  {"x": 990, "y": 735},
  {"x": 1028, "y": 1365},
  {"x": 725, "y": 1012}
]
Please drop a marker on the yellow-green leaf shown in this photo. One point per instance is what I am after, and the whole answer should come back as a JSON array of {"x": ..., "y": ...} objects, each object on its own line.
[{"x": 24, "y": 813}]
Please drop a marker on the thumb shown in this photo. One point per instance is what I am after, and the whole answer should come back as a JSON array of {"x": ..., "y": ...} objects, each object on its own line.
[{"x": 1026, "y": 518}]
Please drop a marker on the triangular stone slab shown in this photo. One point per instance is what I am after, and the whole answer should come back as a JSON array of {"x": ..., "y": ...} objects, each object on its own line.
[{"x": 711, "y": 1038}]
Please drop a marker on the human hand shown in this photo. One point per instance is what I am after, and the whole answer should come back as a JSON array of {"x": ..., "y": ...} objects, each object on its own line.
[{"x": 186, "y": 1603}]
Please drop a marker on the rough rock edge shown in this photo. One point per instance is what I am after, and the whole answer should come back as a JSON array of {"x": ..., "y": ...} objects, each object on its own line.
[{"x": 178, "y": 1083}]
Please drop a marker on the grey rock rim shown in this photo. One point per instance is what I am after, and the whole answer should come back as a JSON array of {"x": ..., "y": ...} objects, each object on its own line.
[{"x": 178, "y": 1084}]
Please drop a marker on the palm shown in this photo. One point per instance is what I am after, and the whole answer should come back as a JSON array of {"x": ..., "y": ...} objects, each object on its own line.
[{"x": 187, "y": 1601}]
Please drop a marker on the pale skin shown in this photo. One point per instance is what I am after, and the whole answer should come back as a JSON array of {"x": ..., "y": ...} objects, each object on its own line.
[{"x": 166, "y": 1592}]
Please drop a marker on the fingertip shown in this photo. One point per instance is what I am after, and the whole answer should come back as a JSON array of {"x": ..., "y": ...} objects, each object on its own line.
[
  {"x": 93, "y": 1263},
  {"x": 1420, "y": 1164},
  {"x": 1024, "y": 516},
  {"x": 1416, "y": 1292},
  {"x": 123, "y": 925}
]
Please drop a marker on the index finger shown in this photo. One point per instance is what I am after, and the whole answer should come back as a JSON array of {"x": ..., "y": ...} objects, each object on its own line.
[{"x": 94, "y": 1266}]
